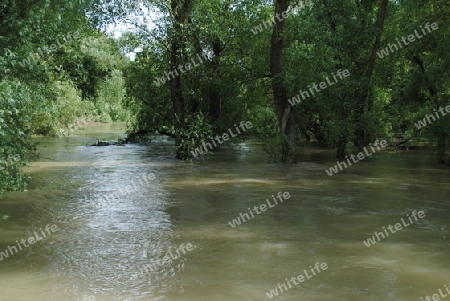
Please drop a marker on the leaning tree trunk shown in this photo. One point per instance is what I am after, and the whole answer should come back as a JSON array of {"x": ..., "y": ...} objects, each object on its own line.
[
  {"x": 362, "y": 138},
  {"x": 285, "y": 112}
]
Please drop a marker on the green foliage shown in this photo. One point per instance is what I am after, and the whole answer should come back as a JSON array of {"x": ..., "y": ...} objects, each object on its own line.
[
  {"x": 267, "y": 130},
  {"x": 58, "y": 109},
  {"x": 15, "y": 138},
  {"x": 148, "y": 103},
  {"x": 196, "y": 131},
  {"x": 80, "y": 79},
  {"x": 90, "y": 79},
  {"x": 111, "y": 98}
]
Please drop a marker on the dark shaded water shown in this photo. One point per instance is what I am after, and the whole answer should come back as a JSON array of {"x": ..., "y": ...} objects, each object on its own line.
[{"x": 100, "y": 246}]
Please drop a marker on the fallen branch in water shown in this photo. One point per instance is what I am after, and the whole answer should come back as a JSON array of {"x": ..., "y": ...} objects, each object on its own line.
[{"x": 133, "y": 138}]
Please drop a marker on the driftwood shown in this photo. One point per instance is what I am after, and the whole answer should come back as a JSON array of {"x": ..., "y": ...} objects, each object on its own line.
[
  {"x": 132, "y": 138},
  {"x": 403, "y": 142},
  {"x": 107, "y": 143},
  {"x": 399, "y": 145}
]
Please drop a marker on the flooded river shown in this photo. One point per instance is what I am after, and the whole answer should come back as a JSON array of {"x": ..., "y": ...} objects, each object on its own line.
[{"x": 132, "y": 223}]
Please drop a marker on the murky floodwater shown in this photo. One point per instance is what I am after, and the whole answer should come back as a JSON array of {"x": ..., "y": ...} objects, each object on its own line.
[{"x": 111, "y": 246}]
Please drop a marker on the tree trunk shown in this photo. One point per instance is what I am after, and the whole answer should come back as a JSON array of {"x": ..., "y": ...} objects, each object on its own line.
[
  {"x": 442, "y": 136},
  {"x": 441, "y": 146},
  {"x": 215, "y": 102},
  {"x": 176, "y": 96},
  {"x": 285, "y": 112},
  {"x": 181, "y": 11},
  {"x": 341, "y": 146},
  {"x": 362, "y": 138}
]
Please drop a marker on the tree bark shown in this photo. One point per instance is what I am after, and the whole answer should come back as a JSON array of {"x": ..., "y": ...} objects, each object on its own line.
[
  {"x": 442, "y": 136},
  {"x": 285, "y": 112},
  {"x": 181, "y": 11},
  {"x": 215, "y": 101},
  {"x": 341, "y": 146},
  {"x": 361, "y": 136},
  {"x": 441, "y": 146}
]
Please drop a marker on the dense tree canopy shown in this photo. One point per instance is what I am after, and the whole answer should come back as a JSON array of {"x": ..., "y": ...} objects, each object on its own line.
[
  {"x": 56, "y": 71},
  {"x": 203, "y": 66}
]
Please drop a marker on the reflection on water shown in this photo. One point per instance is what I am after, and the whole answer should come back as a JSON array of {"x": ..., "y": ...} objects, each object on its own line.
[{"x": 98, "y": 249}]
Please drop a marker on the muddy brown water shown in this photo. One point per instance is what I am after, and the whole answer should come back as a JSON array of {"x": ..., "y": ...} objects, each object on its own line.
[{"x": 101, "y": 245}]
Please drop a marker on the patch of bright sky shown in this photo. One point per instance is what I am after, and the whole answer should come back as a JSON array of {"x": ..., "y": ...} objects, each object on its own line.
[{"x": 146, "y": 17}]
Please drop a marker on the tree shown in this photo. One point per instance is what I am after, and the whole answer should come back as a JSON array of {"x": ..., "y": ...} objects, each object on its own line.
[
  {"x": 284, "y": 111},
  {"x": 362, "y": 136}
]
